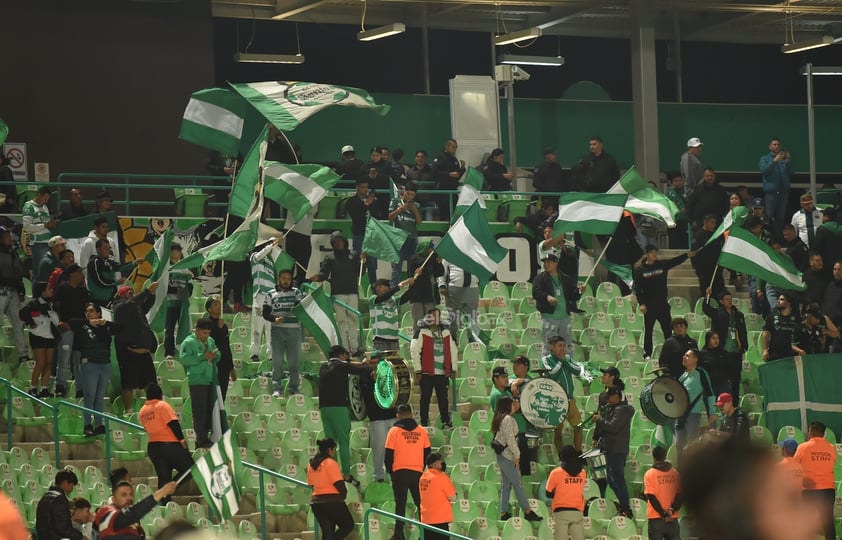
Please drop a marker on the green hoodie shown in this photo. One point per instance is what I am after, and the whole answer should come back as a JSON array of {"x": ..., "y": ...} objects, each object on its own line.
[{"x": 192, "y": 357}]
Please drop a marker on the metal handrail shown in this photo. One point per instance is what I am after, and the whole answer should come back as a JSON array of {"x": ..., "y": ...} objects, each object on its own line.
[
  {"x": 262, "y": 471},
  {"x": 99, "y": 414},
  {"x": 422, "y": 526},
  {"x": 12, "y": 389}
]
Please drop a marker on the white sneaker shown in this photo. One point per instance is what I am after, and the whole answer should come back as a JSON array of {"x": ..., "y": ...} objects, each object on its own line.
[
  {"x": 277, "y": 394},
  {"x": 169, "y": 357}
]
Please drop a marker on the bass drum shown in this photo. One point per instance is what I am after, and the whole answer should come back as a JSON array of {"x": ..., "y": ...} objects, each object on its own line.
[
  {"x": 392, "y": 383},
  {"x": 663, "y": 400},
  {"x": 355, "y": 399},
  {"x": 543, "y": 402}
]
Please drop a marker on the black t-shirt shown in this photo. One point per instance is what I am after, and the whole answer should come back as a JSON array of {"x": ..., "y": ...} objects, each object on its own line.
[{"x": 784, "y": 332}]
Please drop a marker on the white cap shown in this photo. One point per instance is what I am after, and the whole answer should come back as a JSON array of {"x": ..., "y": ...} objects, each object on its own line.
[
  {"x": 347, "y": 148},
  {"x": 694, "y": 142}
]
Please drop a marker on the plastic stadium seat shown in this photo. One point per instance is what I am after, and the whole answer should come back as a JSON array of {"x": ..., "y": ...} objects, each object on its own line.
[
  {"x": 607, "y": 291},
  {"x": 294, "y": 440},
  {"x": 790, "y": 432},
  {"x": 501, "y": 336},
  {"x": 473, "y": 390},
  {"x": 480, "y": 421},
  {"x": 619, "y": 307},
  {"x": 128, "y": 446},
  {"x": 591, "y": 526},
  {"x": 678, "y": 304},
  {"x": 588, "y": 304},
  {"x": 533, "y": 320},
  {"x": 754, "y": 322},
  {"x": 498, "y": 304},
  {"x": 601, "y": 511},
  {"x": 620, "y": 337},
  {"x": 761, "y": 435},
  {"x": 494, "y": 289},
  {"x": 602, "y": 322},
  {"x": 299, "y": 404},
  {"x": 481, "y": 456},
  {"x": 260, "y": 385},
  {"x": 280, "y": 421},
  {"x": 696, "y": 323},
  {"x": 516, "y": 528},
  {"x": 593, "y": 337},
  {"x": 521, "y": 289},
  {"x": 621, "y": 527},
  {"x": 483, "y": 491},
  {"x": 465, "y": 511},
  {"x": 751, "y": 403},
  {"x": 476, "y": 351},
  {"x": 25, "y": 414}
]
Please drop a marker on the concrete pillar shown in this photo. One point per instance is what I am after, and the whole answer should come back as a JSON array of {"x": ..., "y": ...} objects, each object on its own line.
[{"x": 644, "y": 90}]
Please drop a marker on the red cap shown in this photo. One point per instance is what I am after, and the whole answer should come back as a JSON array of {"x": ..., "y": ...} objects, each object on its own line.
[
  {"x": 724, "y": 398},
  {"x": 123, "y": 290}
]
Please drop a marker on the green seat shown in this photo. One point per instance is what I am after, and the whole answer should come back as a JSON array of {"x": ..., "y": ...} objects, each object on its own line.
[
  {"x": 265, "y": 404},
  {"x": 473, "y": 391},
  {"x": 39, "y": 458},
  {"x": 236, "y": 405},
  {"x": 482, "y": 491},
  {"x": 246, "y": 530},
  {"x": 245, "y": 423},
  {"x": 696, "y": 323},
  {"x": 359, "y": 438},
  {"x": 592, "y": 337},
  {"x": 790, "y": 432},
  {"x": 93, "y": 474},
  {"x": 500, "y": 337},
  {"x": 591, "y": 527},
  {"x": 498, "y": 305},
  {"x": 521, "y": 289},
  {"x": 516, "y": 527},
  {"x": 657, "y": 338},
  {"x": 190, "y": 202},
  {"x": 621, "y": 527},
  {"x": 98, "y": 494},
  {"x": 679, "y": 304},
  {"x": 436, "y": 436},
  {"x": 619, "y": 307},
  {"x": 25, "y": 413},
  {"x": 128, "y": 446},
  {"x": 141, "y": 491},
  {"x": 601, "y": 511},
  {"x": 462, "y": 438},
  {"x": 464, "y": 511},
  {"x": 480, "y": 421},
  {"x": 476, "y": 351},
  {"x": 751, "y": 403},
  {"x": 260, "y": 385},
  {"x": 754, "y": 322},
  {"x": 473, "y": 368},
  {"x": 761, "y": 435},
  {"x": 607, "y": 291},
  {"x": 299, "y": 404},
  {"x": 643, "y": 455},
  {"x": 531, "y": 336},
  {"x": 621, "y": 337},
  {"x": 27, "y": 473},
  {"x": 294, "y": 440},
  {"x": 602, "y": 322},
  {"x": 494, "y": 289},
  {"x": 463, "y": 473},
  {"x": 260, "y": 440},
  {"x": 588, "y": 304},
  {"x": 280, "y": 421},
  {"x": 481, "y": 456},
  {"x": 506, "y": 321}
]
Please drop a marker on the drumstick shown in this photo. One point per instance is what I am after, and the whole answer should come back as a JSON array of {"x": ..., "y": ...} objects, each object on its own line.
[{"x": 360, "y": 279}]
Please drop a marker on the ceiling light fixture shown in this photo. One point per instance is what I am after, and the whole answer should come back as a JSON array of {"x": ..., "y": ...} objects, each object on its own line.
[
  {"x": 789, "y": 48},
  {"x": 381, "y": 32},
  {"x": 251, "y": 58},
  {"x": 527, "y": 60},
  {"x": 521, "y": 35}
]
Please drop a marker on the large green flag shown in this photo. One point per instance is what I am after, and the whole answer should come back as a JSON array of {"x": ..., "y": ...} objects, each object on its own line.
[
  {"x": 4, "y": 131},
  {"x": 469, "y": 192},
  {"x": 470, "y": 244},
  {"x": 801, "y": 390},
  {"x": 592, "y": 213},
  {"x": 159, "y": 258},
  {"x": 316, "y": 314},
  {"x": 218, "y": 473},
  {"x": 746, "y": 253},
  {"x": 298, "y": 188},
  {"x": 644, "y": 199},
  {"x": 735, "y": 218},
  {"x": 242, "y": 192},
  {"x": 383, "y": 241},
  {"x": 286, "y": 104},
  {"x": 214, "y": 119}
]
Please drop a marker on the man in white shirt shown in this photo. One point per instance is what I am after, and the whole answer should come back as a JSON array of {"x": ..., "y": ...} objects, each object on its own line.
[
  {"x": 264, "y": 275},
  {"x": 807, "y": 220},
  {"x": 99, "y": 231},
  {"x": 460, "y": 290}
]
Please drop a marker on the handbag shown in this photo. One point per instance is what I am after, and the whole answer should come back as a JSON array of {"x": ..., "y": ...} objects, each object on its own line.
[{"x": 498, "y": 447}]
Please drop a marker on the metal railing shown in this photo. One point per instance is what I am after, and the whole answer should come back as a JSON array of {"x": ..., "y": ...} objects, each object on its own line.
[
  {"x": 262, "y": 472},
  {"x": 422, "y": 526},
  {"x": 11, "y": 389}
]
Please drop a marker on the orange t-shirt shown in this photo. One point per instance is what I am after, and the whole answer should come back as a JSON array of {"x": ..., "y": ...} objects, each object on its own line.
[
  {"x": 568, "y": 491},
  {"x": 408, "y": 447},
  {"x": 792, "y": 469},
  {"x": 663, "y": 485},
  {"x": 154, "y": 417},
  {"x": 436, "y": 489},
  {"x": 817, "y": 457},
  {"x": 323, "y": 478}
]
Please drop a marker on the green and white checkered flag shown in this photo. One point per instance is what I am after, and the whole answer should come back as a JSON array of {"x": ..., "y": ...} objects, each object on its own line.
[{"x": 217, "y": 474}]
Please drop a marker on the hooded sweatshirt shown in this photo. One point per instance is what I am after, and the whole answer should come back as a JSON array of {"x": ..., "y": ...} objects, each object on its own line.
[{"x": 341, "y": 267}]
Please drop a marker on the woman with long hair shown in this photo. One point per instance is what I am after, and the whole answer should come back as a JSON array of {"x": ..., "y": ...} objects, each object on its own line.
[
  {"x": 734, "y": 201},
  {"x": 504, "y": 427},
  {"x": 43, "y": 320},
  {"x": 712, "y": 358},
  {"x": 329, "y": 491}
]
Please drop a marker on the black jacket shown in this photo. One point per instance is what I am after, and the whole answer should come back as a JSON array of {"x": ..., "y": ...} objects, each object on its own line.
[
  {"x": 52, "y": 518},
  {"x": 706, "y": 259},
  {"x": 131, "y": 316},
  {"x": 542, "y": 286},
  {"x": 536, "y": 222},
  {"x": 358, "y": 212},
  {"x": 672, "y": 353},
  {"x": 11, "y": 269},
  {"x": 738, "y": 425},
  {"x": 222, "y": 338},
  {"x": 341, "y": 268},
  {"x": 816, "y": 284},
  {"x": 494, "y": 180},
  {"x": 548, "y": 177},
  {"x": 828, "y": 242},
  {"x": 614, "y": 428},
  {"x": 597, "y": 173},
  {"x": 650, "y": 281},
  {"x": 624, "y": 248},
  {"x": 349, "y": 170},
  {"x": 373, "y": 410},
  {"x": 408, "y": 424},
  {"x": 800, "y": 253},
  {"x": 707, "y": 199},
  {"x": 333, "y": 381},
  {"x": 381, "y": 179},
  {"x": 70, "y": 301},
  {"x": 716, "y": 364},
  {"x": 720, "y": 320},
  {"x": 832, "y": 301},
  {"x": 443, "y": 165},
  {"x": 425, "y": 288}
]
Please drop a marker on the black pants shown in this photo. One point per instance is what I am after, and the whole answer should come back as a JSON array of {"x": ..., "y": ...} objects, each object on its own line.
[
  {"x": 432, "y": 535},
  {"x": 331, "y": 515},
  {"x": 224, "y": 378},
  {"x": 200, "y": 399},
  {"x": 526, "y": 454},
  {"x": 403, "y": 480},
  {"x": 661, "y": 530},
  {"x": 655, "y": 313},
  {"x": 825, "y": 498},
  {"x": 166, "y": 456},
  {"x": 678, "y": 236},
  {"x": 236, "y": 275},
  {"x": 299, "y": 247},
  {"x": 735, "y": 373},
  {"x": 718, "y": 282},
  {"x": 440, "y": 383}
]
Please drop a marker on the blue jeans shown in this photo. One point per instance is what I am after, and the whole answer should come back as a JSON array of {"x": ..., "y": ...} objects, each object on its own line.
[
  {"x": 377, "y": 431},
  {"x": 616, "y": 469},
  {"x": 511, "y": 479},
  {"x": 65, "y": 358},
  {"x": 406, "y": 253},
  {"x": 39, "y": 251},
  {"x": 686, "y": 433},
  {"x": 286, "y": 345},
  {"x": 772, "y": 294},
  {"x": 173, "y": 314},
  {"x": 759, "y": 304},
  {"x": 554, "y": 327},
  {"x": 370, "y": 262},
  {"x": 776, "y": 207},
  {"x": 94, "y": 382}
]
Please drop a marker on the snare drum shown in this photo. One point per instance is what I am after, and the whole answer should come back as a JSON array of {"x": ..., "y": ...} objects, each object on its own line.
[
  {"x": 663, "y": 400},
  {"x": 355, "y": 399},
  {"x": 393, "y": 382},
  {"x": 597, "y": 465},
  {"x": 543, "y": 402}
]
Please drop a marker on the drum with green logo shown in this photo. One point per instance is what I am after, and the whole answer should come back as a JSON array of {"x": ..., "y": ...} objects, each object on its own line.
[
  {"x": 392, "y": 382},
  {"x": 543, "y": 402},
  {"x": 663, "y": 400}
]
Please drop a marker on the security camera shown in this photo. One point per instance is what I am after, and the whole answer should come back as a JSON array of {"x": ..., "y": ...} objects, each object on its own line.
[{"x": 520, "y": 74}]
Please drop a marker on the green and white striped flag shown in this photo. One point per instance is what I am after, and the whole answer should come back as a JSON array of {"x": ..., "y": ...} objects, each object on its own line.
[
  {"x": 217, "y": 474},
  {"x": 592, "y": 213},
  {"x": 469, "y": 192},
  {"x": 383, "y": 241},
  {"x": 285, "y": 104},
  {"x": 298, "y": 188},
  {"x": 746, "y": 253},
  {"x": 315, "y": 313},
  {"x": 159, "y": 258},
  {"x": 214, "y": 119},
  {"x": 470, "y": 244},
  {"x": 735, "y": 218},
  {"x": 242, "y": 192},
  {"x": 644, "y": 199}
]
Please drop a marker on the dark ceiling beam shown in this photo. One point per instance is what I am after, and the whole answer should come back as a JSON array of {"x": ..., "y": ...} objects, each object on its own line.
[{"x": 285, "y": 11}]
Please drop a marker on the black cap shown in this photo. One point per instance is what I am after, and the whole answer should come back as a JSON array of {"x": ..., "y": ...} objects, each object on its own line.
[
  {"x": 432, "y": 458},
  {"x": 73, "y": 268},
  {"x": 499, "y": 370},
  {"x": 549, "y": 150},
  {"x": 104, "y": 196},
  {"x": 549, "y": 256},
  {"x": 611, "y": 371},
  {"x": 497, "y": 152}
]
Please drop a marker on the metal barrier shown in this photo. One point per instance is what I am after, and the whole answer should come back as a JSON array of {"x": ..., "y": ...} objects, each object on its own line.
[
  {"x": 262, "y": 471},
  {"x": 422, "y": 526},
  {"x": 10, "y": 390}
]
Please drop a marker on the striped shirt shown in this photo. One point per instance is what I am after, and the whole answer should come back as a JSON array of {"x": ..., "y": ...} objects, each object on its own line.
[
  {"x": 385, "y": 316},
  {"x": 279, "y": 303},
  {"x": 34, "y": 219},
  {"x": 263, "y": 275},
  {"x": 178, "y": 281}
]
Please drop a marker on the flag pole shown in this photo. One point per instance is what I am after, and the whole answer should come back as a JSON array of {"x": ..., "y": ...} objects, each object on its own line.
[
  {"x": 181, "y": 478},
  {"x": 360, "y": 278},
  {"x": 596, "y": 263},
  {"x": 713, "y": 277},
  {"x": 429, "y": 256},
  {"x": 225, "y": 234}
]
